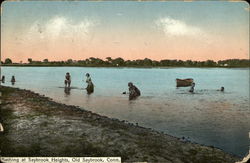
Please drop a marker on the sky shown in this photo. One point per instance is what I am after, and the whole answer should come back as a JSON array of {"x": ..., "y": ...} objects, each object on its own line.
[{"x": 61, "y": 30}]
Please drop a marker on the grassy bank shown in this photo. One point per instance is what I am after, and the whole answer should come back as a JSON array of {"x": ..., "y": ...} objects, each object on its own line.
[{"x": 37, "y": 126}]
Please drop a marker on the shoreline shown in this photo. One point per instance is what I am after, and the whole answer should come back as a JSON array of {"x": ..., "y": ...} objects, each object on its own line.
[{"x": 57, "y": 129}]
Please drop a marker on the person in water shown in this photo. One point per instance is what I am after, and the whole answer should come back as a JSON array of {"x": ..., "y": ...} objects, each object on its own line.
[
  {"x": 192, "y": 88},
  {"x": 13, "y": 80},
  {"x": 90, "y": 86},
  {"x": 134, "y": 92},
  {"x": 221, "y": 89},
  {"x": 3, "y": 79},
  {"x": 67, "y": 81}
]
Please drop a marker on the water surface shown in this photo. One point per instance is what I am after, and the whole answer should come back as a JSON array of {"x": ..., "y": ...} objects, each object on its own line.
[{"x": 210, "y": 117}]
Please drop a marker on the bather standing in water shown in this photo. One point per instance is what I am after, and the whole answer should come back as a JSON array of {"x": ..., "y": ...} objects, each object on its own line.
[
  {"x": 90, "y": 86},
  {"x": 3, "y": 79},
  {"x": 134, "y": 92},
  {"x": 67, "y": 80},
  {"x": 13, "y": 80},
  {"x": 192, "y": 88}
]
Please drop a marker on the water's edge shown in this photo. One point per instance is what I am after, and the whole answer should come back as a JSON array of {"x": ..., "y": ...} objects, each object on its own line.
[{"x": 113, "y": 120}]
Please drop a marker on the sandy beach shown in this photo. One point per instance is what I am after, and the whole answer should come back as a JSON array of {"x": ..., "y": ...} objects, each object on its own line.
[{"x": 35, "y": 125}]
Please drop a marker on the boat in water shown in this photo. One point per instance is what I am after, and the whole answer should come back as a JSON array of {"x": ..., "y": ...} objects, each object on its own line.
[{"x": 184, "y": 82}]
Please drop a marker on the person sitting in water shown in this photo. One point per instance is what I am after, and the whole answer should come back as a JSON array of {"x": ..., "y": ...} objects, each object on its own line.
[
  {"x": 67, "y": 81},
  {"x": 90, "y": 86},
  {"x": 133, "y": 91},
  {"x": 192, "y": 88},
  {"x": 13, "y": 80},
  {"x": 221, "y": 89}
]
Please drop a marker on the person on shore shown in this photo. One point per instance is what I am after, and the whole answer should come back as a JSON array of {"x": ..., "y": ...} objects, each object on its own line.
[
  {"x": 13, "y": 80},
  {"x": 134, "y": 92},
  {"x": 90, "y": 86},
  {"x": 192, "y": 88},
  {"x": 67, "y": 81},
  {"x": 3, "y": 79},
  {"x": 1, "y": 127}
]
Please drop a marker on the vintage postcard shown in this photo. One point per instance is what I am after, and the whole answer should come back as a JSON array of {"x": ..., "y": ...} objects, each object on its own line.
[{"x": 124, "y": 81}]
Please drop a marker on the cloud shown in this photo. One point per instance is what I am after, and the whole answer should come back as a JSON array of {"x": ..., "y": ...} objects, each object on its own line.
[
  {"x": 174, "y": 27},
  {"x": 60, "y": 27},
  {"x": 58, "y": 35}
]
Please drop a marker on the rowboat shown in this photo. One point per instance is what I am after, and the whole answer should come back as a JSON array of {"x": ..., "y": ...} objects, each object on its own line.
[{"x": 184, "y": 82}]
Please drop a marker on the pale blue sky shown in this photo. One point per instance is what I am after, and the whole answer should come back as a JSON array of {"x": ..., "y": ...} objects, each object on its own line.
[{"x": 229, "y": 20}]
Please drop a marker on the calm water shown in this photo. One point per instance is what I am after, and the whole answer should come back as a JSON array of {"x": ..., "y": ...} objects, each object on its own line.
[{"x": 208, "y": 117}]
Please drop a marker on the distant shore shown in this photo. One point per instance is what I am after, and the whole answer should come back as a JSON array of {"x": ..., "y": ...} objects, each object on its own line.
[
  {"x": 138, "y": 63},
  {"x": 35, "y": 125},
  {"x": 31, "y": 65}
]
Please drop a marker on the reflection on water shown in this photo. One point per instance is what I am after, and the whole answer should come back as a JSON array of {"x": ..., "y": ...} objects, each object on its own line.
[
  {"x": 67, "y": 91},
  {"x": 207, "y": 116}
]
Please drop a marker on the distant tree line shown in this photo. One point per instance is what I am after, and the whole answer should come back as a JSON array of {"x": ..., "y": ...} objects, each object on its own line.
[{"x": 119, "y": 62}]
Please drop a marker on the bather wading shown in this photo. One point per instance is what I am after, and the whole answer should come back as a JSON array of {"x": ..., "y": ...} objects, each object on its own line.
[
  {"x": 13, "y": 80},
  {"x": 67, "y": 80},
  {"x": 90, "y": 86},
  {"x": 3, "y": 79},
  {"x": 192, "y": 88},
  {"x": 134, "y": 92}
]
